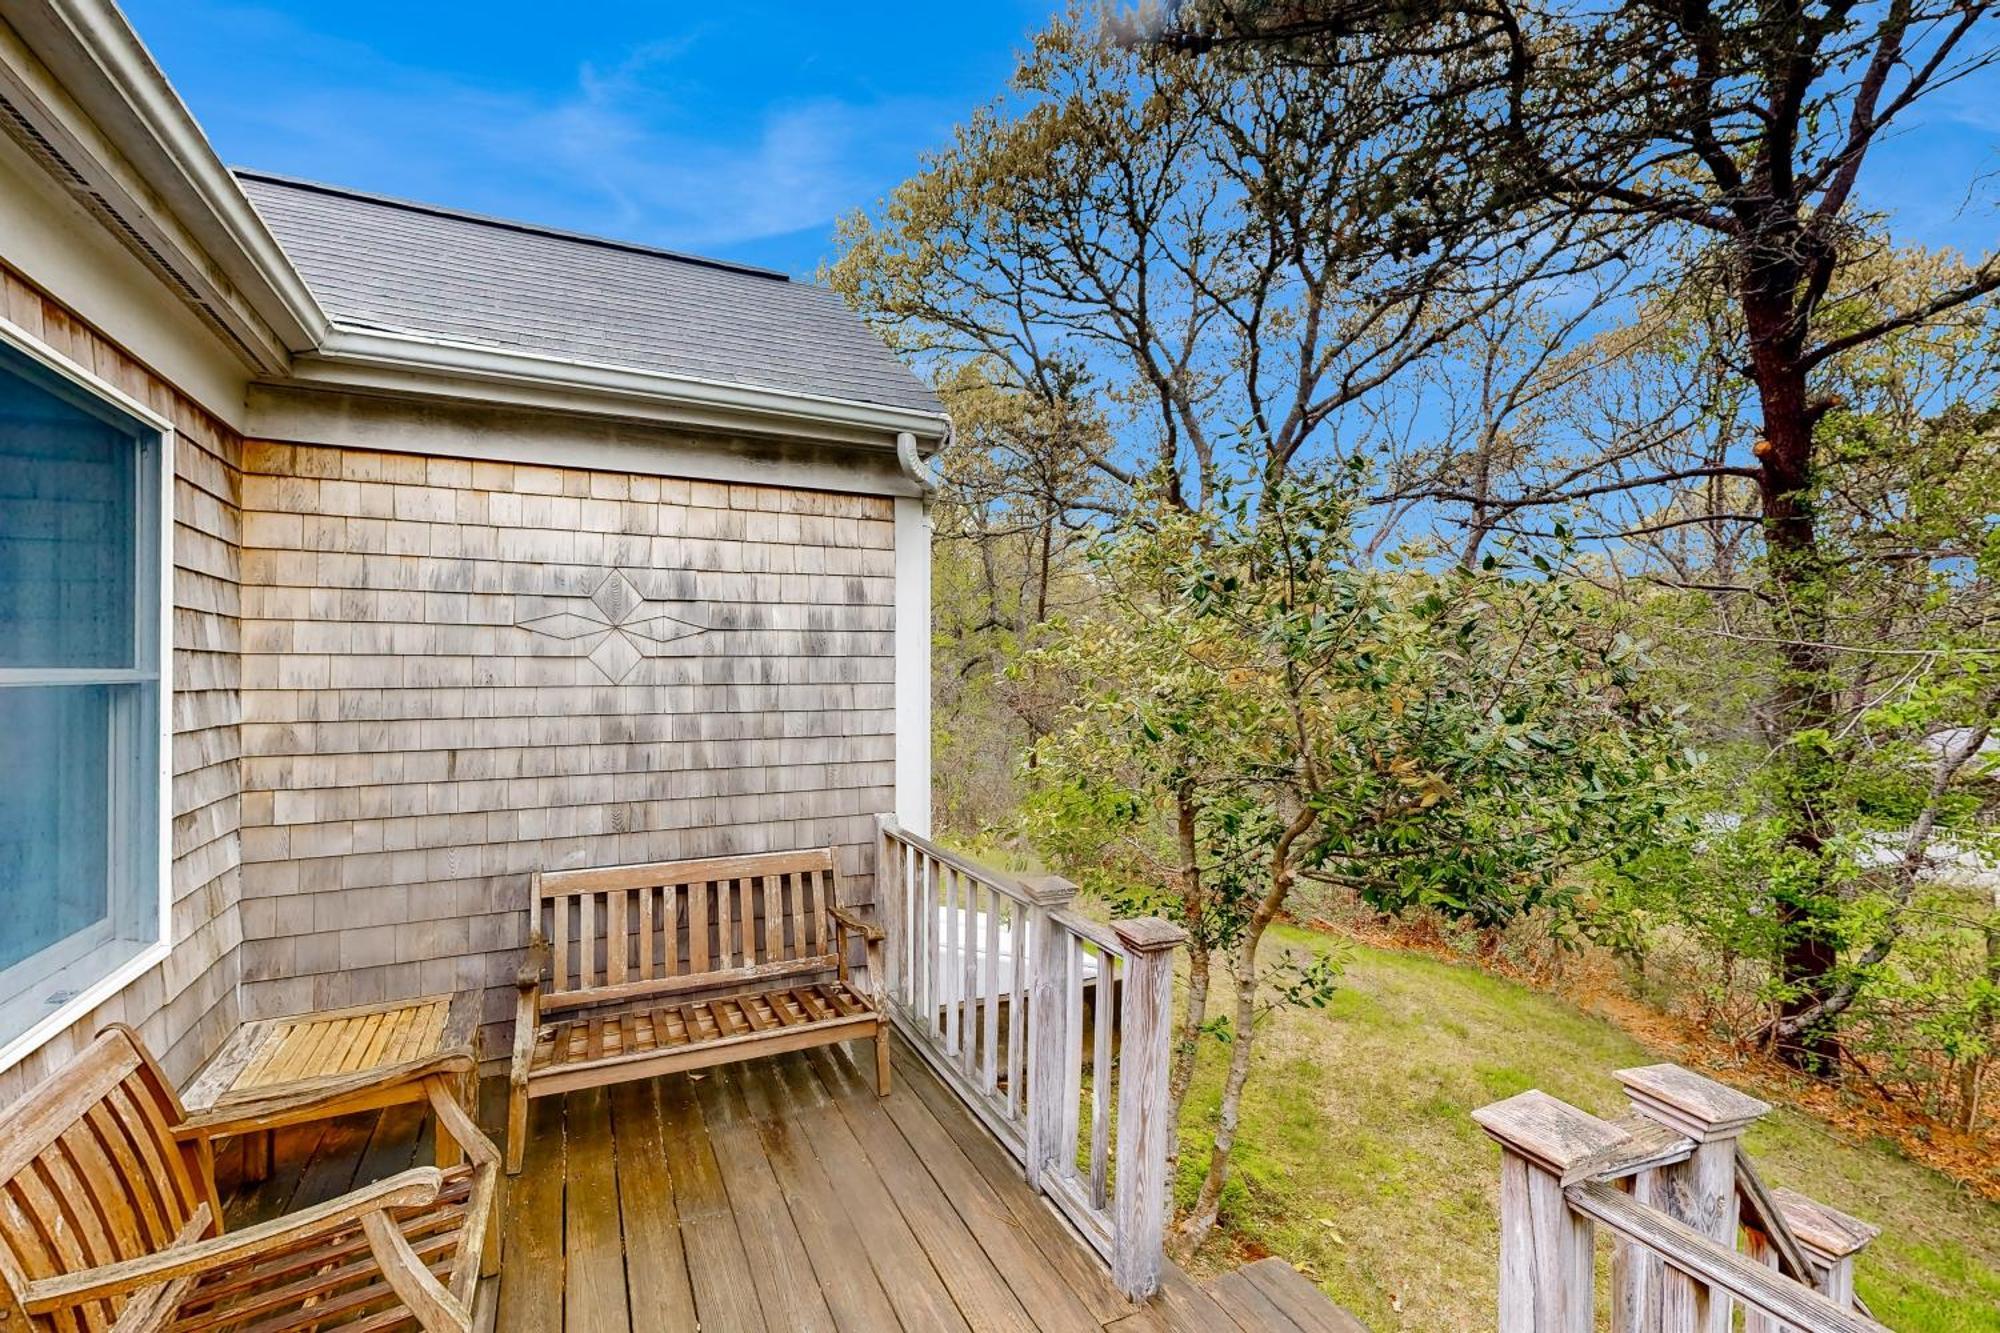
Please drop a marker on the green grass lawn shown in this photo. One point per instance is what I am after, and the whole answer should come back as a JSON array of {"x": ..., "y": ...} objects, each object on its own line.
[{"x": 1358, "y": 1160}]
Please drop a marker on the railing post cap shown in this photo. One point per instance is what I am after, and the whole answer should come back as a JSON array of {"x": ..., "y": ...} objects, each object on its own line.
[
  {"x": 1547, "y": 1131},
  {"x": 1048, "y": 890},
  {"x": 1823, "y": 1231},
  {"x": 1701, "y": 1108},
  {"x": 885, "y": 820},
  {"x": 1149, "y": 934}
]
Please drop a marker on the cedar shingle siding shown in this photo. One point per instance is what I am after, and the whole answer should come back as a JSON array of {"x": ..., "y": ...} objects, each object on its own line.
[
  {"x": 457, "y": 672},
  {"x": 187, "y": 1004}
]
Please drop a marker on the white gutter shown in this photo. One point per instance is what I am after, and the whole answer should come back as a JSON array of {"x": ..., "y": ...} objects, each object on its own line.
[{"x": 346, "y": 348}]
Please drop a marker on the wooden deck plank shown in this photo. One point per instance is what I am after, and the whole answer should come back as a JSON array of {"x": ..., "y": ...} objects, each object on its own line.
[
  {"x": 594, "y": 1299},
  {"x": 913, "y": 1286},
  {"x": 1059, "y": 1249},
  {"x": 725, "y": 1292},
  {"x": 658, "y": 1285},
  {"x": 854, "y": 1295},
  {"x": 782, "y": 1193},
  {"x": 1035, "y": 1283},
  {"x": 392, "y": 1144},
  {"x": 272, "y": 1196},
  {"x": 1248, "y": 1306},
  {"x": 1305, "y": 1304},
  {"x": 786, "y": 1285},
  {"x": 982, "y": 1295},
  {"x": 531, "y": 1283}
]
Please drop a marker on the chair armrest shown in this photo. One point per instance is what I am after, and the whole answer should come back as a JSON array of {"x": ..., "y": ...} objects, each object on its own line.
[
  {"x": 534, "y": 962},
  {"x": 415, "y": 1188},
  {"x": 847, "y": 917},
  {"x": 247, "y": 1112}
]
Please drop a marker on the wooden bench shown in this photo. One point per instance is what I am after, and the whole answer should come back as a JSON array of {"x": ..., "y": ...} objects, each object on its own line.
[
  {"x": 109, "y": 1216},
  {"x": 685, "y": 964}
]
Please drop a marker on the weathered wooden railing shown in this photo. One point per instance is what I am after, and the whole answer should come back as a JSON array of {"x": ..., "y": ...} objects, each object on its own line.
[
  {"x": 1051, "y": 1027},
  {"x": 1673, "y": 1186}
]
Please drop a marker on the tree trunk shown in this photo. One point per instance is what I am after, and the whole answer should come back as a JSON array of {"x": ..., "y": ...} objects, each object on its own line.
[
  {"x": 1805, "y": 903},
  {"x": 1208, "y": 1204},
  {"x": 1187, "y": 1040}
]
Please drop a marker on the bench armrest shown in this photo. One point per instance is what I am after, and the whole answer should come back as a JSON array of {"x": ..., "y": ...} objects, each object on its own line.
[
  {"x": 527, "y": 1025},
  {"x": 848, "y": 918},
  {"x": 534, "y": 962},
  {"x": 245, "y": 1113},
  {"x": 417, "y": 1188}
]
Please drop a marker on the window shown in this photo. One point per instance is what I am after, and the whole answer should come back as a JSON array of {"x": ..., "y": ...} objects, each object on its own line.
[{"x": 81, "y": 651}]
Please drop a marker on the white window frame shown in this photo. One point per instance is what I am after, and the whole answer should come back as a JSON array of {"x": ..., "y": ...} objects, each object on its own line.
[{"x": 124, "y": 974}]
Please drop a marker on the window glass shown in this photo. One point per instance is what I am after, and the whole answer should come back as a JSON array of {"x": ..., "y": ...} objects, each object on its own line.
[
  {"x": 79, "y": 691},
  {"x": 54, "y": 840},
  {"x": 68, "y": 483}
]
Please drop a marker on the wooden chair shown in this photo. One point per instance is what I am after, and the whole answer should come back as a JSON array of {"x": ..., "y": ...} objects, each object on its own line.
[
  {"x": 684, "y": 964},
  {"x": 109, "y": 1217}
]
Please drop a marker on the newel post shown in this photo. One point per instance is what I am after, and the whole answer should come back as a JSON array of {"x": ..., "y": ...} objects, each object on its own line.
[
  {"x": 1829, "y": 1240},
  {"x": 1545, "y": 1248},
  {"x": 1700, "y": 1191},
  {"x": 892, "y": 901},
  {"x": 1048, "y": 1019},
  {"x": 1145, "y": 1128}
]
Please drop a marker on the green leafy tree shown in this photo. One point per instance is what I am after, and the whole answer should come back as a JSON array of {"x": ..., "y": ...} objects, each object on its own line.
[
  {"x": 1726, "y": 137},
  {"x": 1258, "y": 705}
]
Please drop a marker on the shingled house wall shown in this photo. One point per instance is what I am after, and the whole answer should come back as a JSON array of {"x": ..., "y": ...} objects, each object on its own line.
[
  {"x": 186, "y": 1005},
  {"x": 448, "y": 683}
]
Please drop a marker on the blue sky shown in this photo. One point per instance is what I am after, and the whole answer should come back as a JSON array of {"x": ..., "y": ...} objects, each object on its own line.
[{"x": 739, "y": 131}]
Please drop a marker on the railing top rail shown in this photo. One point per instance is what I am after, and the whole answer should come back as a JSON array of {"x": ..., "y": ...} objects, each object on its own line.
[
  {"x": 1757, "y": 1286},
  {"x": 1099, "y": 934},
  {"x": 993, "y": 879}
]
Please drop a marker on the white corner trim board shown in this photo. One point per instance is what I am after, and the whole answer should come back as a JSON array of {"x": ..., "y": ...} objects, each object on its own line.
[{"x": 913, "y": 666}]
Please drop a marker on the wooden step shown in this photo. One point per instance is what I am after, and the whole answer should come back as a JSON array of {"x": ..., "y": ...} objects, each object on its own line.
[{"x": 1270, "y": 1296}]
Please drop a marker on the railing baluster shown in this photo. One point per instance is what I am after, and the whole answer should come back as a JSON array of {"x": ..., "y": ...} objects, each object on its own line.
[
  {"x": 968, "y": 1055},
  {"x": 989, "y": 995},
  {"x": 1072, "y": 1048},
  {"x": 927, "y": 891},
  {"x": 1017, "y": 1004},
  {"x": 1100, "y": 1081},
  {"x": 948, "y": 962}
]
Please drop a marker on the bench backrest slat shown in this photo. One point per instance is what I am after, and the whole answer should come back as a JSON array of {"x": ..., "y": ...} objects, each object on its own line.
[
  {"x": 624, "y": 931},
  {"x": 91, "y": 1174}
]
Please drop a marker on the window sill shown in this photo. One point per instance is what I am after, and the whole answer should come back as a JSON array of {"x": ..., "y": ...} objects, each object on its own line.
[{"x": 80, "y": 1004}]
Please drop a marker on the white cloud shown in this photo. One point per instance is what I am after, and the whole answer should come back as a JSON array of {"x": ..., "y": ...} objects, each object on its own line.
[{"x": 633, "y": 148}]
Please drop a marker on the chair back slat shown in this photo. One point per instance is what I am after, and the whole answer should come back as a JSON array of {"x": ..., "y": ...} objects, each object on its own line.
[
  {"x": 91, "y": 1174},
  {"x": 622, "y": 931}
]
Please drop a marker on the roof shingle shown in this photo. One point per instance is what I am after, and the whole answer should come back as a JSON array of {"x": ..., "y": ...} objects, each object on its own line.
[{"x": 389, "y": 265}]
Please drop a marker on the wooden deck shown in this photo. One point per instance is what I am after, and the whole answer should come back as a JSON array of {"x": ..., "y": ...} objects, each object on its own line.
[{"x": 781, "y": 1194}]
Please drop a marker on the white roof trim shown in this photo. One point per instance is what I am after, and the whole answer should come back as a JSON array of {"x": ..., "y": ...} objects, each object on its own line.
[
  {"x": 348, "y": 357},
  {"x": 95, "y": 94}
]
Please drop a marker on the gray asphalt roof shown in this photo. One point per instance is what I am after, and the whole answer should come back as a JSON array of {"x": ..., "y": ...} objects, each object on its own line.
[{"x": 389, "y": 264}]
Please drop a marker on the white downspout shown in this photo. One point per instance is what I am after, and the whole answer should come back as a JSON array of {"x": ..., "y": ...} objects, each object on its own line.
[{"x": 912, "y": 463}]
